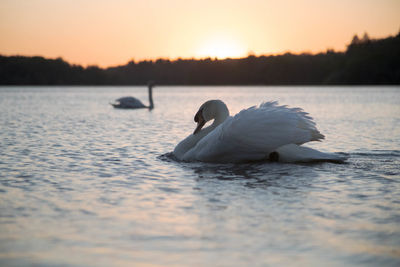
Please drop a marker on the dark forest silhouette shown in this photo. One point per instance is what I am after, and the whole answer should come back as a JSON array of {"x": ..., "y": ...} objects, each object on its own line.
[{"x": 366, "y": 61}]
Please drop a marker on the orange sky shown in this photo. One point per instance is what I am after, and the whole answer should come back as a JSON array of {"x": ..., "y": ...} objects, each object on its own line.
[{"x": 112, "y": 32}]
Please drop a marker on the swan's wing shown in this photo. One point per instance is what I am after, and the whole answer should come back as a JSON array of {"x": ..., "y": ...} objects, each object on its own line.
[{"x": 255, "y": 132}]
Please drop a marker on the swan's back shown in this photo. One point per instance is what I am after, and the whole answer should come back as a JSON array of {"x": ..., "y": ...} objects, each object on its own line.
[
  {"x": 255, "y": 132},
  {"x": 128, "y": 102}
]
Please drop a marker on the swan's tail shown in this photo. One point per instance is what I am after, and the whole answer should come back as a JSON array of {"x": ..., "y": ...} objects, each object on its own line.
[{"x": 295, "y": 153}]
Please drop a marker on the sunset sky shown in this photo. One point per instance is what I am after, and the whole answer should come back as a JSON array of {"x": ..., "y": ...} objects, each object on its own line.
[{"x": 112, "y": 32}]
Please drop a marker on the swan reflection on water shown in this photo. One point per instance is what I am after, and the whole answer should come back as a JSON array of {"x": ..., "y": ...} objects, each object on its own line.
[
  {"x": 129, "y": 102},
  {"x": 268, "y": 131}
]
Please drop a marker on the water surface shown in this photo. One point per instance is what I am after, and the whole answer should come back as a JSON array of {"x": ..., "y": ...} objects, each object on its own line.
[{"x": 83, "y": 184}]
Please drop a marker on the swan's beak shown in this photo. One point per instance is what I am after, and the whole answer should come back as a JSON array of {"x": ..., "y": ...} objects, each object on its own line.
[{"x": 200, "y": 121}]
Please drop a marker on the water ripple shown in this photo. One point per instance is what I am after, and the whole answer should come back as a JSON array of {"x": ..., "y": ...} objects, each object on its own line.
[{"x": 79, "y": 178}]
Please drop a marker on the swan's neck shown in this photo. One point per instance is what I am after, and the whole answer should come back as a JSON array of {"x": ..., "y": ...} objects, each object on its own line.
[
  {"x": 219, "y": 119},
  {"x": 151, "y": 106},
  {"x": 220, "y": 114}
]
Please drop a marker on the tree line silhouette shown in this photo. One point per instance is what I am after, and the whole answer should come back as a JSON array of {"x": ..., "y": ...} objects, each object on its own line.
[{"x": 366, "y": 61}]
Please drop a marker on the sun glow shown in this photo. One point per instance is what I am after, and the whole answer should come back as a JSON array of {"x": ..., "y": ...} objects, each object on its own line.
[{"x": 221, "y": 48}]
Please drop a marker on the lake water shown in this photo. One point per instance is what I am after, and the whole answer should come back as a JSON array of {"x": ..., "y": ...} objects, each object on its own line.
[{"x": 83, "y": 184}]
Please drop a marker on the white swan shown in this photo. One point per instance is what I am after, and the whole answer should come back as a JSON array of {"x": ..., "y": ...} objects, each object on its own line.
[
  {"x": 129, "y": 102},
  {"x": 269, "y": 131}
]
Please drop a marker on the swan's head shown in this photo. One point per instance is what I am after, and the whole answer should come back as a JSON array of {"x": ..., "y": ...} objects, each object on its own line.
[{"x": 211, "y": 110}]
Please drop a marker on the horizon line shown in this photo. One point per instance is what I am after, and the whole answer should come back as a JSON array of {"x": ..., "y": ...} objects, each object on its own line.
[{"x": 155, "y": 59}]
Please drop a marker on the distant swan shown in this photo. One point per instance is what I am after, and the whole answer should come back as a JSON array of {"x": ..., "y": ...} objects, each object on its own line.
[
  {"x": 269, "y": 132},
  {"x": 129, "y": 102}
]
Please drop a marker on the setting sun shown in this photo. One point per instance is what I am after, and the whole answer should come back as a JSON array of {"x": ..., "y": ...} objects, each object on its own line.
[
  {"x": 111, "y": 33},
  {"x": 221, "y": 48}
]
